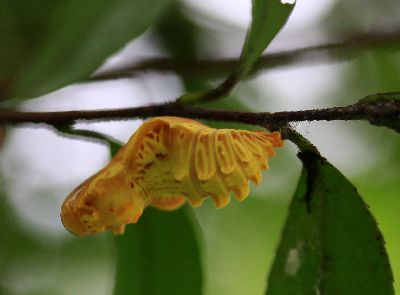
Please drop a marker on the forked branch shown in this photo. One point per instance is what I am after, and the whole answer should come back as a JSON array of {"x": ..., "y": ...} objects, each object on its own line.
[{"x": 377, "y": 109}]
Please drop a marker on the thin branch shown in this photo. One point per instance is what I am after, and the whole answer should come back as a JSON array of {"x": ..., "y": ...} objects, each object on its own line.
[
  {"x": 332, "y": 51},
  {"x": 222, "y": 90},
  {"x": 366, "y": 109},
  {"x": 89, "y": 135}
]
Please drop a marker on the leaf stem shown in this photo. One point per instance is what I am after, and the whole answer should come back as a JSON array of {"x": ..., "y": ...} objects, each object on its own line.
[
  {"x": 304, "y": 145},
  {"x": 90, "y": 135}
]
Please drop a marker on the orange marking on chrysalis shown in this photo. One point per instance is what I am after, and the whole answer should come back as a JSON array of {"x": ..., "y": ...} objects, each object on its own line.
[{"x": 167, "y": 161}]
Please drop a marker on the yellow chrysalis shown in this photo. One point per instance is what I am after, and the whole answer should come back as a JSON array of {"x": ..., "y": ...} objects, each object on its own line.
[{"x": 167, "y": 161}]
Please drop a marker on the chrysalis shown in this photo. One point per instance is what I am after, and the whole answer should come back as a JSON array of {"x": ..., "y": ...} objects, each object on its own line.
[{"x": 168, "y": 161}]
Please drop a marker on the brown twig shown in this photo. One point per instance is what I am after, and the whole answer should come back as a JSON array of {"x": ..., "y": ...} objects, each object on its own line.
[
  {"x": 339, "y": 50},
  {"x": 373, "y": 111}
]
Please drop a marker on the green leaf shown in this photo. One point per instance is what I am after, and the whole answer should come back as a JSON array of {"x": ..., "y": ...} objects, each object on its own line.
[
  {"x": 17, "y": 242},
  {"x": 159, "y": 255},
  {"x": 331, "y": 243},
  {"x": 268, "y": 18},
  {"x": 80, "y": 36},
  {"x": 23, "y": 24}
]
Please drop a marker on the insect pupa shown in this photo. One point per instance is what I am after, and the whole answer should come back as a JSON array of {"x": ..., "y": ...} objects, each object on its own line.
[{"x": 166, "y": 162}]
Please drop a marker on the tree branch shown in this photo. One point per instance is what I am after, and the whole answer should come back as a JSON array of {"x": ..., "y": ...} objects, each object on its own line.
[
  {"x": 374, "y": 110},
  {"x": 332, "y": 51}
]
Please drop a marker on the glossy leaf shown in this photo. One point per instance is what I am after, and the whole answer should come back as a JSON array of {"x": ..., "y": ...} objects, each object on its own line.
[
  {"x": 80, "y": 36},
  {"x": 159, "y": 255},
  {"x": 268, "y": 18},
  {"x": 331, "y": 243}
]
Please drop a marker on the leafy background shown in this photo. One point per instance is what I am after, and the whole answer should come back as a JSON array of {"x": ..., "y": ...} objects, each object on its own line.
[{"x": 44, "y": 43}]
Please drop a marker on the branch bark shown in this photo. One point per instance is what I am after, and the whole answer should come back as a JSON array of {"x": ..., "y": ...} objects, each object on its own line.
[
  {"x": 332, "y": 51},
  {"x": 366, "y": 109}
]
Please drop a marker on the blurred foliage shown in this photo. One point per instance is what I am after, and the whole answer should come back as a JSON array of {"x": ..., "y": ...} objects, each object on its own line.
[
  {"x": 159, "y": 255},
  {"x": 45, "y": 45},
  {"x": 23, "y": 27},
  {"x": 180, "y": 38},
  {"x": 50, "y": 44},
  {"x": 31, "y": 263},
  {"x": 362, "y": 15}
]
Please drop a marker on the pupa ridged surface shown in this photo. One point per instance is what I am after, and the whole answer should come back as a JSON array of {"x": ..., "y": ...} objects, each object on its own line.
[{"x": 168, "y": 161}]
